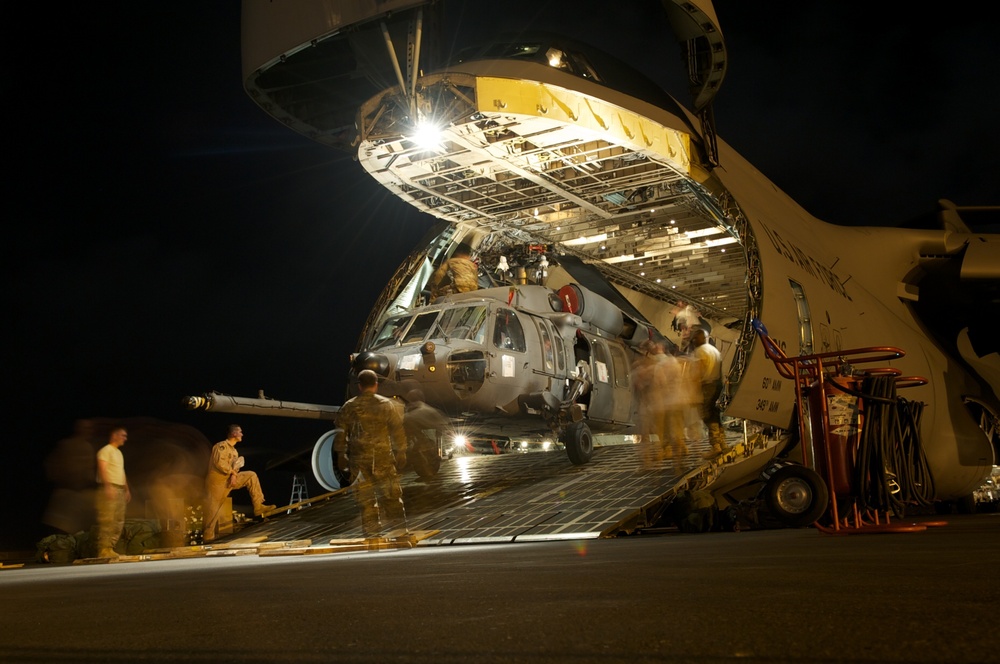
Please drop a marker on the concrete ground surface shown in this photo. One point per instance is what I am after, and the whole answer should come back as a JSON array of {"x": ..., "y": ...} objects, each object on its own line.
[{"x": 760, "y": 596}]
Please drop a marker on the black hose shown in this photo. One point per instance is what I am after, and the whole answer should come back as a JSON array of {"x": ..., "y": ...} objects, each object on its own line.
[
  {"x": 891, "y": 469},
  {"x": 915, "y": 475},
  {"x": 871, "y": 483}
]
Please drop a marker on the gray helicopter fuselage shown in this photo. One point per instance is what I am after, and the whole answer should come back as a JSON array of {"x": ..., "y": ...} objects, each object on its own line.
[{"x": 507, "y": 360}]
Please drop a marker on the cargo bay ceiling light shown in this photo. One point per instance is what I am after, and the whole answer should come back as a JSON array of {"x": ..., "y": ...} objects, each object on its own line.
[{"x": 427, "y": 135}]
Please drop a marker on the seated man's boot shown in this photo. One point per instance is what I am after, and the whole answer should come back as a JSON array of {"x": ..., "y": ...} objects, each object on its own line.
[{"x": 259, "y": 510}]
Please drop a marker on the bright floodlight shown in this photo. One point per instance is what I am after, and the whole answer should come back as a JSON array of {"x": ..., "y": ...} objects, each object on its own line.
[{"x": 427, "y": 136}]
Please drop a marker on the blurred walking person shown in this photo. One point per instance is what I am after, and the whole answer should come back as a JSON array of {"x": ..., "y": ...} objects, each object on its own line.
[
  {"x": 710, "y": 370},
  {"x": 644, "y": 382},
  {"x": 670, "y": 404},
  {"x": 419, "y": 417}
]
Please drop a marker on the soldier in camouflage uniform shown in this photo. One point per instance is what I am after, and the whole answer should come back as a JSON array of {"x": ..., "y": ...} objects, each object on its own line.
[
  {"x": 458, "y": 274},
  {"x": 370, "y": 445}
]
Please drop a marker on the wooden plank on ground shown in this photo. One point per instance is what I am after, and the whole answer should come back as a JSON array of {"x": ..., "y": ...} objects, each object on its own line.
[
  {"x": 285, "y": 544},
  {"x": 304, "y": 502},
  {"x": 394, "y": 540},
  {"x": 125, "y": 558},
  {"x": 313, "y": 550},
  {"x": 243, "y": 542}
]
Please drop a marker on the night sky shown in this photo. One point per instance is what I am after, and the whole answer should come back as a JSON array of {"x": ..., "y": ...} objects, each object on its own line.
[{"x": 166, "y": 237}]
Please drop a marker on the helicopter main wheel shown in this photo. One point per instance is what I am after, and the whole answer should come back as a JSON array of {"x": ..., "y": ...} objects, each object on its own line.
[
  {"x": 797, "y": 496},
  {"x": 579, "y": 443}
]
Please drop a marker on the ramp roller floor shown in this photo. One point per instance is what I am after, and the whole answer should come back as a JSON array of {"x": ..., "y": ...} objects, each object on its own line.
[{"x": 514, "y": 497}]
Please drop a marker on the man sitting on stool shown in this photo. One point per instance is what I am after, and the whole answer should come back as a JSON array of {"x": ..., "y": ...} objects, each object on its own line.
[{"x": 224, "y": 475}]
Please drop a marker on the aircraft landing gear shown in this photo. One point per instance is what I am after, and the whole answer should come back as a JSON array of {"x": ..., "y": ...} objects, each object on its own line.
[
  {"x": 795, "y": 495},
  {"x": 579, "y": 443}
]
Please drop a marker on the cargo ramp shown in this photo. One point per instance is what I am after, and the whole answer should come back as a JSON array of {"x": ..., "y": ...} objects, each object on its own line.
[{"x": 523, "y": 497}]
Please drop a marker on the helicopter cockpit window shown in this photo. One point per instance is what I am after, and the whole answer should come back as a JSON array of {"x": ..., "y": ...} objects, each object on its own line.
[
  {"x": 421, "y": 325},
  {"x": 556, "y": 57},
  {"x": 508, "y": 333},
  {"x": 520, "y": 50},
  {"x": 574, "y": 62},
  {"x": 583, "y": 68},
  {"x": 601, "y": 362},
  {"x": 560, "y": 352},
  {"x": 548, "y": 352},
  {"x": 391, "y": 332},
  {"x": 467, "y": 323}
]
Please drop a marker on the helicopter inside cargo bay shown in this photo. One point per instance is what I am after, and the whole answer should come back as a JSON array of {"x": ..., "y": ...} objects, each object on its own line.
[{"x": 531, "y": 352}]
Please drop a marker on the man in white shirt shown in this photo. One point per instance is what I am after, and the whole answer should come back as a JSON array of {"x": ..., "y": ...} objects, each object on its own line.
[{"x": 112, "y": 494}]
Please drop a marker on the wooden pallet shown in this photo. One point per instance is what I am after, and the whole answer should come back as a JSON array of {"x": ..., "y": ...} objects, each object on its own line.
[
  {"x": 240, "y": 547},
  {"x": 393, "y": 540}
]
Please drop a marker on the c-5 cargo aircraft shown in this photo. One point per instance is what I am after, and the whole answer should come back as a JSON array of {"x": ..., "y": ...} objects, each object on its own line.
[{"x": 603, "y": 213}]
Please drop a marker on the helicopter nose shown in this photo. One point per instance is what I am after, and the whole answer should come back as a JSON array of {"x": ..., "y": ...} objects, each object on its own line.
[{"x": 373, "y": 361}]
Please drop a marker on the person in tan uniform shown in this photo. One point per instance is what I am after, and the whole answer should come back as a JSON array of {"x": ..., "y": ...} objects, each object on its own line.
[
  {"x": 112, "y": 494},
  {"x": 669, "y": 415},
  {"x": 370, "y": 446},
  {"x": 643, "y": 377},
  {"x": 709, "y": 361},
  {"x": 458, "y": 274},
  {"x": 656, "y": 376},
  {"x": 223, "y": 476}
]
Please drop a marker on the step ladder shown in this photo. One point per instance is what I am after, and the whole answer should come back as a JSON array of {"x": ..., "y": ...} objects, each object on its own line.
[{"x": 300, "y": 491}]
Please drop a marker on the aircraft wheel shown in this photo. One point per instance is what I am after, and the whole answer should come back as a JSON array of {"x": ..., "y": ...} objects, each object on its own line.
[
  {"x": 424, "y": 458},
  {"x": 579, "y": 443},
  {"x": 797, "y": 496}
]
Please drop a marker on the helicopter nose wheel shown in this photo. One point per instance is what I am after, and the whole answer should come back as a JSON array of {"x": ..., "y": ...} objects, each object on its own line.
[{"x": 579, "y": 443}]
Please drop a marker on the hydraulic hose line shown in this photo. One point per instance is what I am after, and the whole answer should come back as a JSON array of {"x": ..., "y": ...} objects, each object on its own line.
[{"x": 891, "y": 469}]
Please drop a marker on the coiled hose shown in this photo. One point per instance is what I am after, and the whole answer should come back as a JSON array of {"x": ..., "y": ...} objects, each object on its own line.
[{"x": 890, "y": 470}]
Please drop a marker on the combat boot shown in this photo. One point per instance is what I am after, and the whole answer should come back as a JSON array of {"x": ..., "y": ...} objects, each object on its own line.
[{"x": 260, "y": 509}]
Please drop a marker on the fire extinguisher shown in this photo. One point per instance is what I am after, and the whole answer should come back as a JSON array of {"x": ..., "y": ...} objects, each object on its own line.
[{"x": 842, "y": 425}]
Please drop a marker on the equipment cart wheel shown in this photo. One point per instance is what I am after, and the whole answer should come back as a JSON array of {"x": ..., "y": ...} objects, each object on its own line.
[
  {"x": 797, "y": 496},
  {"x": 579, "y": 443}
]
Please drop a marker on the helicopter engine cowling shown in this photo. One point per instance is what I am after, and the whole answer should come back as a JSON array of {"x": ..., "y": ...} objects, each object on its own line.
[
  {"x": 592, "y": 308},
  {"x": 324, "y": 462}
]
